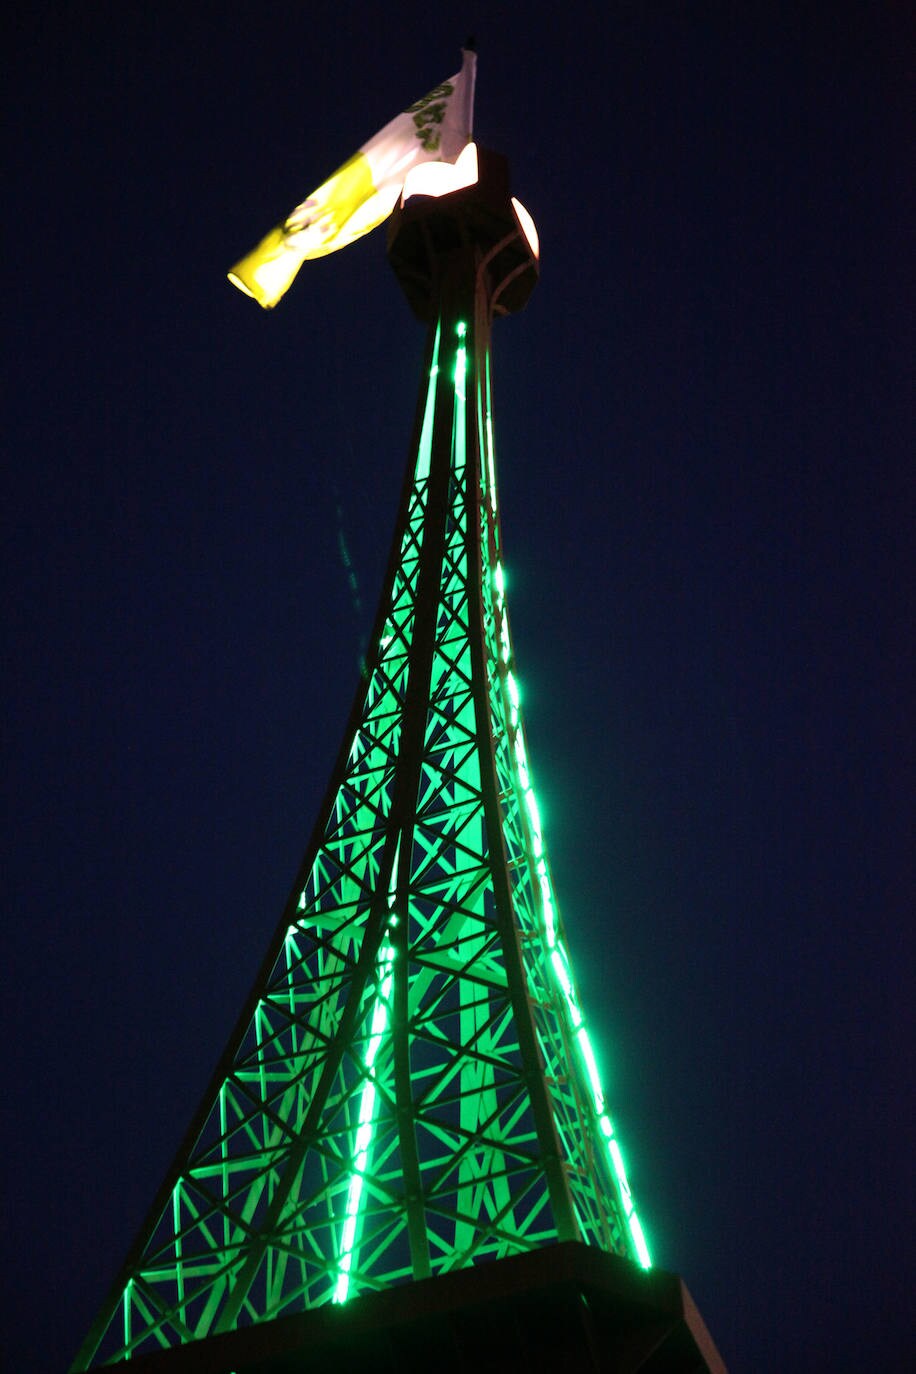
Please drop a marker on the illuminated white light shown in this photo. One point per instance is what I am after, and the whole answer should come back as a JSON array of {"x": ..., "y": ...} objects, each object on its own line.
[
  {"x": 441, "y": 178},
  {"x": 526, "y": 224},
  {"x": 426, "y": 432},
  {"x": 393, "y": 880},
  {"x": 461, "y": 370},
  {"x": 490, "y": 463}
]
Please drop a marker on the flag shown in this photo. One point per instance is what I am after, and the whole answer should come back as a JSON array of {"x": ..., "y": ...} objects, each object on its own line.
[{"x": 364, "y": 191}]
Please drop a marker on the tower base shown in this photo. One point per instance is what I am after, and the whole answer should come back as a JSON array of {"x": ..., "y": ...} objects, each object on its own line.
[{"x": 567, "y": 1307}]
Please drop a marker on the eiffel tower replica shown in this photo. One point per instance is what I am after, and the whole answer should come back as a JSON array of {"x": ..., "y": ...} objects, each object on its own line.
[{"x": 404, "y": 1159}]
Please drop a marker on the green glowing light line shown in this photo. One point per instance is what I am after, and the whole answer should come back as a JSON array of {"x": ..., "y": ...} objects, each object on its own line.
[
  {"x": 461, "y": 372},
  {"x": 176, "y": 1222},
  {"x": 484, "y": 462},
  {"x": 380, "y": 1014},
  {"x": 491, "y": 461},
  {"x": 559, "y": 958},
  {"x": 426, "y": 432}
]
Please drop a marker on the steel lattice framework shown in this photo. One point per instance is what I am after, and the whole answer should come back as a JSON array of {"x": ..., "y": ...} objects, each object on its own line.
[{"x": 411, "y": 1087}]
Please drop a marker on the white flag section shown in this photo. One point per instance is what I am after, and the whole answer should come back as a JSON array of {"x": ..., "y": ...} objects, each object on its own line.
[{"x": 364, "y": 191}]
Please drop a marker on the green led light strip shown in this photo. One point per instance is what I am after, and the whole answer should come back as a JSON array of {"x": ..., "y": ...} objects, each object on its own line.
[
  {"x": 380, "y": 1016},
  {"x": 559, "y": 957},
  {"x": 426, "y": 432},
  {"x": 459, "y": 426}
]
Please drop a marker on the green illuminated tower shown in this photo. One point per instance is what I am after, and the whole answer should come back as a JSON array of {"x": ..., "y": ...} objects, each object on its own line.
[{"x": 410, "y": 1092}]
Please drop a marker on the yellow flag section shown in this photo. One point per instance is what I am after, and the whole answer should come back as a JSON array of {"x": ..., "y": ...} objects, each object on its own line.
[{"x": 364, "y": 191}]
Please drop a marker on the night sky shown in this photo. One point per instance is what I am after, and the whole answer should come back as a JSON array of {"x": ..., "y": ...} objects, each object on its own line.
[{"x": 704, "y": 436}]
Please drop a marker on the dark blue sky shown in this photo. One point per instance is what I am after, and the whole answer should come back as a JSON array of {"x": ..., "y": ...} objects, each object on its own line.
[{"x": 704, "y": 436}]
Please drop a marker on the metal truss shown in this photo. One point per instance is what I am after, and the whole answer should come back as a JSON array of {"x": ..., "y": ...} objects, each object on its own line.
[{"x": 410, "y": 1088}]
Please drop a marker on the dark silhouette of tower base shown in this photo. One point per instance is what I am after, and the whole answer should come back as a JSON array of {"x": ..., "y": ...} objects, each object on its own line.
[
  {"x": 404, "y": 1159},
  {"x": 565, "y": 1308}
]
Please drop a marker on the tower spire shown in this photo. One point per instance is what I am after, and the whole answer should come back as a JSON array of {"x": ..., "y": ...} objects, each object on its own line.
[{"x": 411, "y": 1089}]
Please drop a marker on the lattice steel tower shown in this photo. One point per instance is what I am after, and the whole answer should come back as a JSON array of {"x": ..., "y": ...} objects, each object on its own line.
[{"x": 410, "y": 1089}]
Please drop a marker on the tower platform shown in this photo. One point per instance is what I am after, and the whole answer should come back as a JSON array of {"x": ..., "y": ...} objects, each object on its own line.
[{"x": 568, "y": 1307}]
